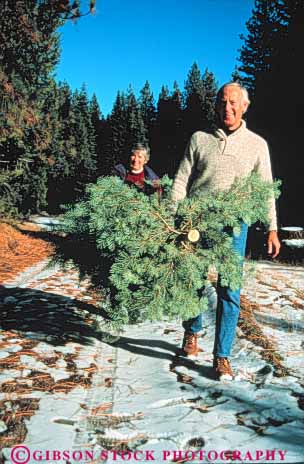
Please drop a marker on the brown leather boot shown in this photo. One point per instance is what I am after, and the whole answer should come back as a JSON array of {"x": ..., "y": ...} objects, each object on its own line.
[
  {"x": 190, "y": 346},
  {"x": 223, "y": 369}
]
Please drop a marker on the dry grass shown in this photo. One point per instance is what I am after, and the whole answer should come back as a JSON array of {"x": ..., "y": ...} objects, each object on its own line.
[
  {"x": 19, "y": 251},
  {"x": 14, "y": 413},
  {"x": 254, "y": 333}
]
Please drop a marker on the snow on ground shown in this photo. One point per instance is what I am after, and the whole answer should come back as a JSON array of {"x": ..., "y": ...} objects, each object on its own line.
[
  {"x": 278, "y": 291},
  {"x": 142, "y": 395}
]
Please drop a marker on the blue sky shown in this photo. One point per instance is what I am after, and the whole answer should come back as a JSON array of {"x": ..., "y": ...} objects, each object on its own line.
[{"x": 131, "y": 41}]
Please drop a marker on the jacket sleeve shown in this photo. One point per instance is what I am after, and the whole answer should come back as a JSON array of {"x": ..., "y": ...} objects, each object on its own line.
[
  {"x": 150, "y": 174},
  {"x": 183, "y": 176},
  {"x": 263, "y": 167},
  {"x": 120, "y": 171}
]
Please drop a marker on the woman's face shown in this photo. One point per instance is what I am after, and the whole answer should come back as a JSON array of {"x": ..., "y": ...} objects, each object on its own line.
[{"x": 137, "y": 160}]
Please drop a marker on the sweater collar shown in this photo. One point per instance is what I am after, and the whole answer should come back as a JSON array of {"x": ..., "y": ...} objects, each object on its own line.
[{"x": 221, "y": 134}]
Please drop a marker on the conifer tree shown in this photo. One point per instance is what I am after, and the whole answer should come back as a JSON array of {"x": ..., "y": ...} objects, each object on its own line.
[
  {"x": 163, "y": 96},
  {"x": 193, "y": 84},
  {"x": 72, "y": 161},
  {"x": 260, "y": 42},
  {"x": 116, "y": 133},
  {"x": 98, "y": 124},
  {"x": 136, "y": 130},
  {"x": 147, "y": 108},
  {"x": 177, "y": 111},
  {"x": 159, "y": 262},
  {"x": 194, "y": 94},
  {"x": 270, "y": 67},
  {"x": 124, "y": 129},
  {"x": 168, "y": 140},
  {"x": 85, "y": 141},
  {"x": 63, "y": 158},
  {"x": 29, "y": 52},
  {"x": 208, "y": 102},
  {"x": 96, "y": 116},
  {"x": 72, "y": 9},
  {"x": 236, "y": 76}
]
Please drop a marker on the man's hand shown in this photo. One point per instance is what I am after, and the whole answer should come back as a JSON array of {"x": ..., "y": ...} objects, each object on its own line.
[{"x": 273, "y": 243}]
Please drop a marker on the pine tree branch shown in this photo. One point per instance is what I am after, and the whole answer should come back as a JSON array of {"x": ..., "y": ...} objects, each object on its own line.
[{"x": 171, "y": 229}]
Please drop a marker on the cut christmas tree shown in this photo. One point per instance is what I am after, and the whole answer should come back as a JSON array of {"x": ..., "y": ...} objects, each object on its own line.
[{"x": 159, "y": 258}]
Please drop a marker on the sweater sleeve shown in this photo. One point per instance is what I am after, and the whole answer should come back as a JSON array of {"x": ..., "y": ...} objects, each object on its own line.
[
  {"x": 263, "y": 167},
  {"x": 183, "y": 176}
]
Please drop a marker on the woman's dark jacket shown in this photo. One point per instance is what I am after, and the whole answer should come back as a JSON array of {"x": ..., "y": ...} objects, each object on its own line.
[{"x": 121, "y": 171}]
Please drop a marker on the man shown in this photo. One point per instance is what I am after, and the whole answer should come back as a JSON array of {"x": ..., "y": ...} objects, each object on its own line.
[{"x": 212, "y": 162}]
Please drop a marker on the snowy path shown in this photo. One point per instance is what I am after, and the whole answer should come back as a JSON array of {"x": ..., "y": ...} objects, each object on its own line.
[{"x": 136, "y": 393}]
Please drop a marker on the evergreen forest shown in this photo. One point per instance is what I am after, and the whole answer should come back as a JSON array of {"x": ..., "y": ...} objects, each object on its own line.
[{"x": 55, "y": 140}]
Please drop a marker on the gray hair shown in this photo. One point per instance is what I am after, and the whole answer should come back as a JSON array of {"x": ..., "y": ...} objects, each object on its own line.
[
  {"x": 244, "y": 92},
  {"x": 141, "y": 147}
]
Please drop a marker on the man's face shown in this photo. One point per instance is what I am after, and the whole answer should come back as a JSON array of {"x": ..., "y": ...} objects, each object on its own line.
[
  {"x": 231, "y": 107},
  {"x": 137, "y": 160}
]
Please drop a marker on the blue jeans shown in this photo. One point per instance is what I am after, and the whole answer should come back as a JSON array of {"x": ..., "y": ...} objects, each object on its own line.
[{"x": 228, "y": 307}]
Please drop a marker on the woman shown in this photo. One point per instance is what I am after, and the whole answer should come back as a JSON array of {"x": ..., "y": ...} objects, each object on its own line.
[{"x": 137, "y": 172}]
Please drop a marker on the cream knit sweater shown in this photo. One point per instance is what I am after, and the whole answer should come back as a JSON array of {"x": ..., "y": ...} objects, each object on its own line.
[{"x": 213, "y": 161}]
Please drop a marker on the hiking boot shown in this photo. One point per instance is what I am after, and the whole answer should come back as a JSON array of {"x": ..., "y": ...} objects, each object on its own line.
[
  {"x": 222, "y": 369},
  {"x": 190, "y": 347}
]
